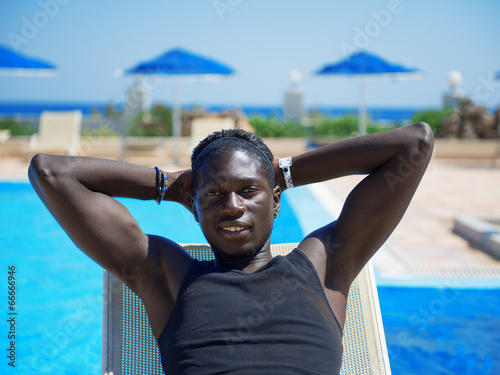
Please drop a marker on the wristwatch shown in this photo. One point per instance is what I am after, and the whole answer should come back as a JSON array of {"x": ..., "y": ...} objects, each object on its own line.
[{"x": 285, "y": 164}]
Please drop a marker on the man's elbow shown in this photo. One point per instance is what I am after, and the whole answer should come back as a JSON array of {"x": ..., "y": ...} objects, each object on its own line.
[
  {"x": 422, "y": 138},
  {"x": 40, "y": 168}
]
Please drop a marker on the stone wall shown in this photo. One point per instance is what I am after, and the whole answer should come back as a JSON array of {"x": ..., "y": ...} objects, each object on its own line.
[{"x": 471, "y": 121}]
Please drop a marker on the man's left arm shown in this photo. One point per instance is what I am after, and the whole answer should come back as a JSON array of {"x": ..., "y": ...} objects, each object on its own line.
[{"x": 394, "y": 161}]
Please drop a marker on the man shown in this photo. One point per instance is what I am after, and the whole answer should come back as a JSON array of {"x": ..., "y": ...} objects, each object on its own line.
[{"x": 200, "y": 311}]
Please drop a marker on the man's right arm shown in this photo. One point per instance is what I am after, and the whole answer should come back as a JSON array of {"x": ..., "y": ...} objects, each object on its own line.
[{"x": 79, "y": 191}]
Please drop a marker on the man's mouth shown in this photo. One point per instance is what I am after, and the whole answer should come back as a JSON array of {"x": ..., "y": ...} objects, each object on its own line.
[{"x": 233, "y": 229}]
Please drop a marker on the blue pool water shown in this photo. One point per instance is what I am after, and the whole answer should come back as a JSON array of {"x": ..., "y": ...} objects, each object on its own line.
[
  {"x": 59, "y": 303},
  {"x": 442, "y": 330},
  {"x": 59, "y": 289}
]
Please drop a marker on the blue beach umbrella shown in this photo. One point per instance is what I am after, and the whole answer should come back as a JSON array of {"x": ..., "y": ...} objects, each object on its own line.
[
  {"x": 15, "y": 64},
  {"x": 364, "y": 65},
  {"x": 177, "y": 66},
  {"x": 178, "y": 62}
]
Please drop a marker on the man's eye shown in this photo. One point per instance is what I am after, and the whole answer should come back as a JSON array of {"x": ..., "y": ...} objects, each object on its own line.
[
  {"x": 212, "y": 193},
  {"x": 249, "y": 190}
]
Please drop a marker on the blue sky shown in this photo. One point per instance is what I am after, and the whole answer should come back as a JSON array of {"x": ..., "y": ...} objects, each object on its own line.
[{"x": 262, "y": 40}]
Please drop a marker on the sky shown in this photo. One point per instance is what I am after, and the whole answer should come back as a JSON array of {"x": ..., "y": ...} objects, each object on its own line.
[{"x": 262, "y": 40}]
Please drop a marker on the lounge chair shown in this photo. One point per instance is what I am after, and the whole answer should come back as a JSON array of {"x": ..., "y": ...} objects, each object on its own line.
[
  {"x": 143, "y": 146},
  {"x": 4, "y": 137},
  {"x": 59, "y": 132},
  {"x": 129, "y": 346},
  {"x": 203, "y": 126}
]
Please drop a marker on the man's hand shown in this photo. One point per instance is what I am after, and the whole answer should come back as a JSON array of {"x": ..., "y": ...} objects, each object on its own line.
[
  {"x": 279, "y": 179},
  {"x": 181, "y": 189}
]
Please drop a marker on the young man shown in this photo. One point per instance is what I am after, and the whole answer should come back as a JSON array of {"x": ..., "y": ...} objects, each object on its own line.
[{"x": 197, "y": 310}]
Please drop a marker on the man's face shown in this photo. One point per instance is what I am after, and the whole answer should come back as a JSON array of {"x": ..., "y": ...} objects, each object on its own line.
[{"x": 235, "y": 205}]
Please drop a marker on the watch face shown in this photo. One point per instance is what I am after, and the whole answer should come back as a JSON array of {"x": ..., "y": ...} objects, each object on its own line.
[{"x": 285, "y": 162}]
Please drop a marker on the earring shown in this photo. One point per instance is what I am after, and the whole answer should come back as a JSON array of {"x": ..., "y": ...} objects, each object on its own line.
[{"x": 275, "y": 215}]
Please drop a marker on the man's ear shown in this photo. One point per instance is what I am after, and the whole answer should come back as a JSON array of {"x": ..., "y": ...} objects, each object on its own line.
[
  {"x": 277, "y": 200},
  {"x": 193, "y": 208}
]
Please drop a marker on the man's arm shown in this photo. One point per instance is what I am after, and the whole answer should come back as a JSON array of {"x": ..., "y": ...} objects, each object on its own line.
[
  {"x": 395, "y": 161},
  {"x": 78, "y": 192}
]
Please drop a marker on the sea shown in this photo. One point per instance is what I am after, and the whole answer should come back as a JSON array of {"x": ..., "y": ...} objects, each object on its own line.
[{"x": 381, "y": 114}]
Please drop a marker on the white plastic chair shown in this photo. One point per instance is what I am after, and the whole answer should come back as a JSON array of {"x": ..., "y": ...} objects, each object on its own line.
[
  {"x": 59, "y": 132},
  {"x": 203, "y": 126},
  {"x": 129, "y": 347}
]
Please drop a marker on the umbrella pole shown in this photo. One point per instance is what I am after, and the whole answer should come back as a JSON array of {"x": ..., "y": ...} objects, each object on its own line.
[
  {"x": 176, "y": 120},
  {"x": 362, "y": 107}
]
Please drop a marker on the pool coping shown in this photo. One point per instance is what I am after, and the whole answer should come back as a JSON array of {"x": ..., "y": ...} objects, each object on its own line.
[
  {"x": 479, "y": 232},
  {"x": 449, "y": 278}
]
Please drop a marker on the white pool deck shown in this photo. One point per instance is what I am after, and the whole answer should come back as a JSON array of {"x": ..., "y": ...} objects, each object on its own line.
[{"x": 423, "y": 250}]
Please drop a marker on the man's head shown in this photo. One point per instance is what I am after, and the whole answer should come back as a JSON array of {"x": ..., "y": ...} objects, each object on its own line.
[
  {"x": 230, "y": 140},
  {"x": 234, "y": 198}
]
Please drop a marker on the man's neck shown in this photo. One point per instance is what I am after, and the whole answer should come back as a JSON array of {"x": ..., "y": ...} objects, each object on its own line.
[{"x": 248, "y": 264}]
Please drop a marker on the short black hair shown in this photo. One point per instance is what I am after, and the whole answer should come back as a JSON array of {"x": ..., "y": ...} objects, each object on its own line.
[{"x": 230, "y": 140}]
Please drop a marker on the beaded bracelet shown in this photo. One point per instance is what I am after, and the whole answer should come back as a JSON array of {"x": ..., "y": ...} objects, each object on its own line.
[{"x": 161, "y": 184}]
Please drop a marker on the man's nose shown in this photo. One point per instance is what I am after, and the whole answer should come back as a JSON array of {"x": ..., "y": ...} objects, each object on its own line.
[{"x": 233, "y": 204}]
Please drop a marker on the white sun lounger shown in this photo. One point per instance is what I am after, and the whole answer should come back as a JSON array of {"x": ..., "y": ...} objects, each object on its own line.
[
  {"x": 203, "y": 126},
  {"x": 59, "y": 133},
  {"x": 129, "y": 347}
]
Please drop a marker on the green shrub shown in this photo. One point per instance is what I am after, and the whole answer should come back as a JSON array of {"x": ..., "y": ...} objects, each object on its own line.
[
  {"x": 274, "y": 128},
  {"x": 376, "y": 128},
  {"x": 341, "y": 127},
  {"x": 434, "y": 118},
  {"x": 154, "y": 123},
  {"x": 346, "y": 126},
  {"x": 111, "y": 111},
  {"x": 101, "y": 131},
  {"x": 16, "y": 127}
]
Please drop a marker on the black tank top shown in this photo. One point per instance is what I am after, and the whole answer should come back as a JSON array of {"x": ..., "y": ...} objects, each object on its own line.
[{"x": 274, "y": 321}]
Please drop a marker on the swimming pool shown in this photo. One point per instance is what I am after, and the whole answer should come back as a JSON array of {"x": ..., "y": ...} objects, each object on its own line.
[
  {"x": 442, "y": 330},
  {"x": 59, "y": 303},
  {"x": 59, "y": 289}
]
